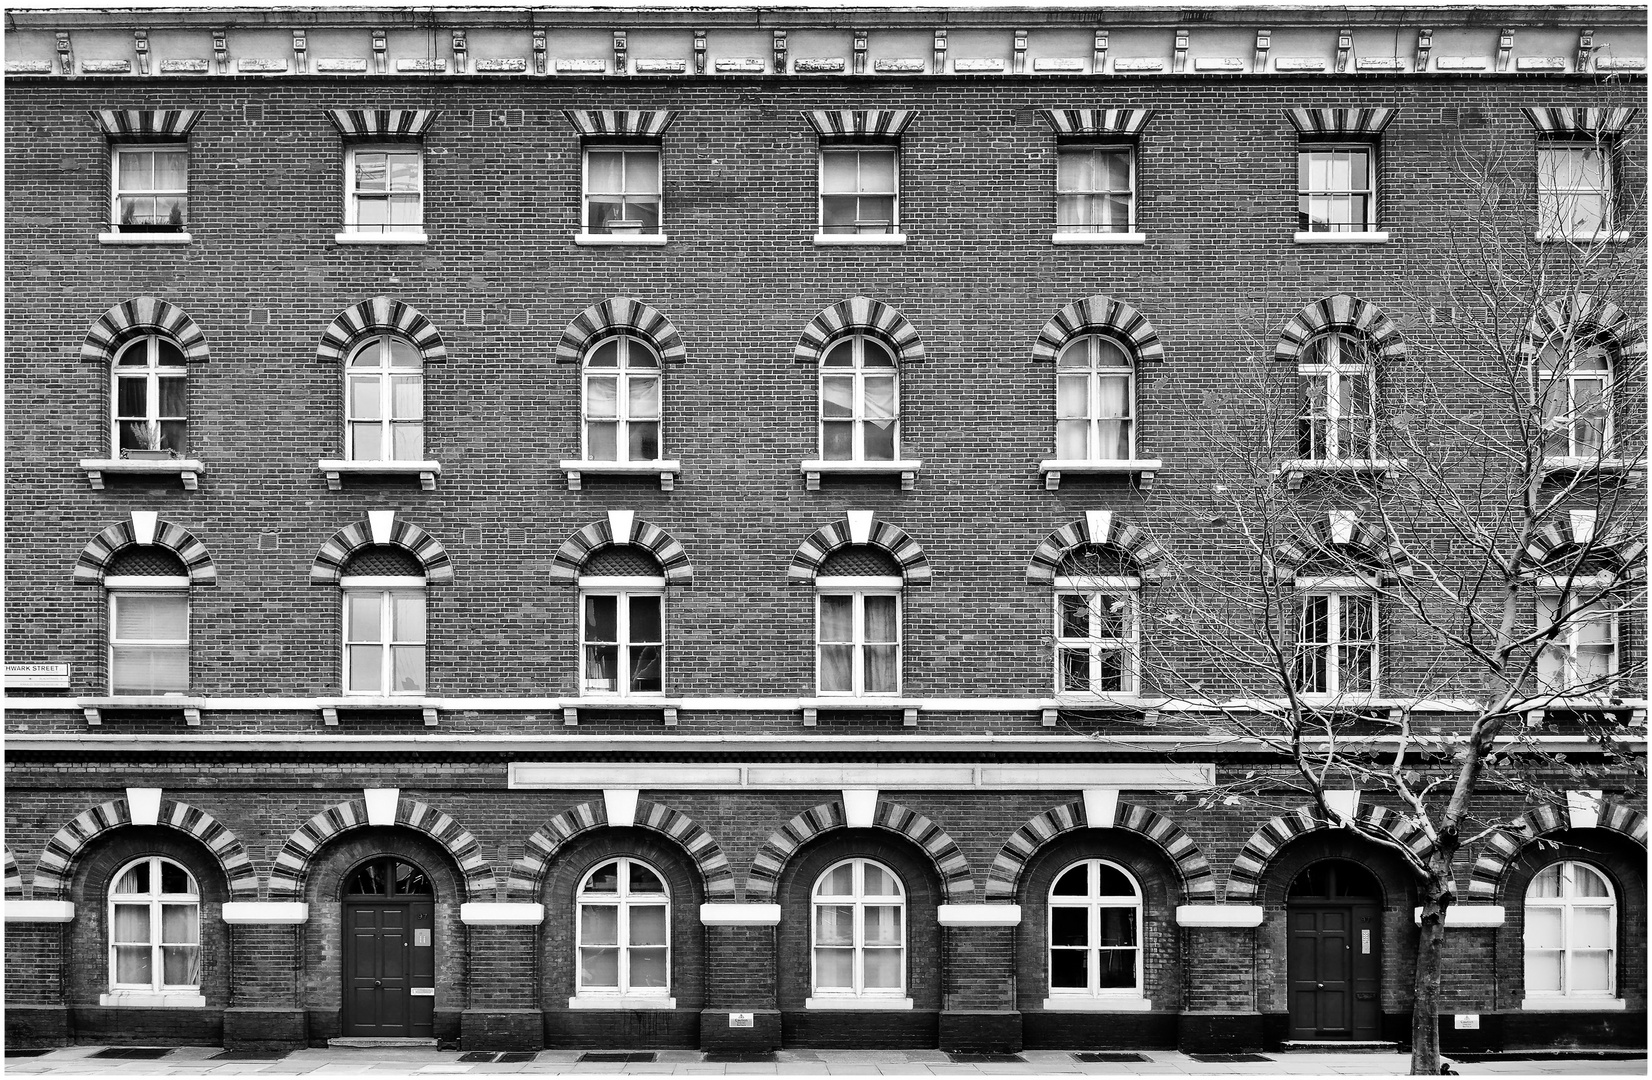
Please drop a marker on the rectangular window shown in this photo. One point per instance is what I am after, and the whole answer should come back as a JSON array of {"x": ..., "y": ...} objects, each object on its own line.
[
  {"x": 150, "y": 187},
  {"x": 622, "y": 643},
  {"x": 1095, "y": 189},
  {"x": 1336, "y": 188},
  {"x": 384, "y": 190},
  {"x": 1335, "y": 421},
  {"x": 384, "y": 641},
  {"x": 149, "y": 642},
  {"x": 859, "y": 189},
  {"x": 1583, "y": 657},
  {"x": 622, "y": 189},
  {"x": 1095, "y": 641},
  {"x": 1574, "y": 189},
  {"x": 1337, "y": 644},
  {"x": 859, "y": 636}
]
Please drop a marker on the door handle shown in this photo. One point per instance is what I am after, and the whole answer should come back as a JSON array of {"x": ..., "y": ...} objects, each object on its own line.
[
  {"x": 1320, "y": 985},
  {"x": 377, "y": 985}
]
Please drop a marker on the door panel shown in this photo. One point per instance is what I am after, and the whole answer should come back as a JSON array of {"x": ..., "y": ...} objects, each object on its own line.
[
  {"x": 1319, "y": 965},
  {"x": 376, "y": 967}
]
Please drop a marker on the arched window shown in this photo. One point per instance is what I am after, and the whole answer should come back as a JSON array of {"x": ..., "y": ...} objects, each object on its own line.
[
  {"x": 1571, "y": 935},
  {"x": 858, "y": 623},
  {"x": 859, "y": 401},
  {"x": 622, "y": 401},
  {"x": 624, "y": 937},
  {"x": 384, "y": 623},
  {"x": 150, "y": 417},
  {"x": 1095, "y": 934},
  {"x": 154, "y": 931},
  {"x": 1097, "y": 623},
  {"x": 1574, "y": 391},
  {"x": 388, "y": 876},
  {"x": 148, "y": 591},
  {"x": 859, "y": 932},
  {"x": 1095, "y": 401},
  {"x": 384, "y": 401},
  {"x": 1335, "y": 380},
  {"x": 622, "y": 632}
]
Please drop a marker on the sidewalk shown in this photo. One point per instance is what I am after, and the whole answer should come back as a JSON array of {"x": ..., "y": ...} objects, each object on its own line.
[{"x": 388, "y": 1063}]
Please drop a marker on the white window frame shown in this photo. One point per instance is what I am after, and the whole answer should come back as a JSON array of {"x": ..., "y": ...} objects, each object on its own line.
[
  {"x": 385, "y": 373},
  {"x": 586, "y": 193},
  {"x": 1565, "y": 997},
  {"x": 1094, "y": 996},
  {"x": 858, "y": 995},
  {"x": 623, "y": 589},
  {"x": 1338, "y": 592},
  {"x": 1336, "y": 370},
  {"x": 1093, "y": 148},
  {"x": 385, "y": 589},
  {"x": 1552, "y": 198},
  {"x": 353, "y": 226},
  {"x": 1305, "y": 222},
  {"x": 622, "y": 996},
  {"x": 1584, "y": 597},
  {"x": 1094, "y": 372},
  {"x": 1096, "y": 644},
  {"x": 894, "y": 226},
  {"x": 119, "y": 589},
  {"x": 860, "y": 589},
  {"x": 1559, "y": 374},
  {"x": 623, "y": 374},
  {"x": 117, "y": 188},
  {"x": 858, "y": 418},
  {"x": 157, "y": 992},
  {"x": 152, "y": 374}
]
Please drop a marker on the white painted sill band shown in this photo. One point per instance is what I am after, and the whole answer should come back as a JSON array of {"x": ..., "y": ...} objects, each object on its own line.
[
  {"x": 1123, "y": 1003},
  {"x": 1341, "y": 238},
  {"x": 357, "y": 238},
  {"x": 1084, "y": 239},
  {"x": 120, "y": 239},
  {"x": 619, "y": 240},
  {"x": 857, "y": 1004},
  {"x": 139, "y": 999},
  {"x": 860, "y": 239}
]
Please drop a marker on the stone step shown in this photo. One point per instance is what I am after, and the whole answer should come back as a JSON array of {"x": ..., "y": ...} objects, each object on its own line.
[
  {"x": 405, "y": 1044},
  {"x": 1331, "y": 1046}
]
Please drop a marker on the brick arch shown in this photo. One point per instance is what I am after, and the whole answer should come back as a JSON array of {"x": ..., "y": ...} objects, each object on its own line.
[
  {"x": 1343, "y": 312},
  {"x": 139, "y": 317},
  {"x": 1245, "y": 877},
  {"x": 380, "y": 315},
  {"x": 1198, "y": 879},
  {"x": 812, "y": 553},
  {"x": 950, "y": 864},
  {"x": 292, "y": 864},
  {"x": 1579, "y": 314},
  {"x": 99, "y": 552},
  {"x": 621, "y": 315},
  {"x": 328, "y": 567},
  {"x": 56, "y": 866},
  {"x": 859, "y": 314},
  {"x": 1619, "y": 544},
  {"x": 1102, "y": 528},
  {"x": 1351, "y": 539},
  {"x": 528, "y": 873},
  {"x": 615, "y": 530},
  {"x": 1486, "y": 879},
  {"x": 14, "y": 877},
  {"x": 1098, "y": 315}
]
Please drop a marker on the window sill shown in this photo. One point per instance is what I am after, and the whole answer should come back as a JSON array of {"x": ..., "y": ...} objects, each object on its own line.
[
  {"x": 1295, "y": 472},
  {"x": 188, "y": 470},
  {"x": 860, "y": 239},
  {"x": 1618, "y": 237},
  {"x": 93, "y": 708},
  {"x": 1573, "y": 1004},
  {"x": 619, "y": 240},
  {"x": 667, "y": 469},
  {"x": 813, "y": 707},
  {"x": 637, "y": 703},
  {"x": 1633, "y": 471},
  {"x": 1122, "y": 1003},
  {"x": 140, "y": 239},
  {"x": 621, "y": 1002},
  {"x": 1100, "y": 702},
  {"x": 330, "y": 708},
  {"x": 348, "y": 238},
  {"x": 142, "y": 999},
  {"x": 906, "y": 470},
  {"x": 1144, "y": 469},
  {"x": 335, "y": 471},
  {"x": 1341, "y": 238},
  {"x": 858, "y": 1003},
  {"x": 1099, "y": 239}
]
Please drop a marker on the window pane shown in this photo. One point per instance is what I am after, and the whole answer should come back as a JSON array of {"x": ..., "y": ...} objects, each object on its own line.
[
  {"x": 134, "y": 964},
  {"x": 407, "y": 616},
  {"x": 602, "y": 668},
  {"x": 1542, "y": 972},
  {"x": 837, "y": 668},
  {"x": 1074, "y": 882},
  {"x": 837, "y": 618},
  {"x": 834, "y": 924},
  {"x": 602, "y": 618},
  {"x": 598, "y": 924},
  {"x": 599, "y": 967},
  {"x": 877, "y": 171},
  {"x": 840, "y": 882},
  {"x": 149, "y": 669},
  {"x": 1069, "y": 969},
  {"x": 403, "y": 172},
  {"x": 174, "y": 396},
  {"x": 602, "y": 441},
  {"x": 880, "y": 397},
  {"x": 642, "y": 172},
  {"x": 361, "y": 616},
  {"x": 406, "y": 397},
  {"x": 180, "y": 965},
  {"x": 879, "y": 440},
  {"x": 605, "y": 879},
  {"x": 1591, "y": 928},
  {"x": 179, "y": 924},
  {"x": 837, "y": 213},
  {"x": 137, "y": 170},
  {"x": 882, "y": 969},
  {"x": 1116, "y": 968},
  {"x": 834, "y": 968},
  {"x": 1111, "y": 881},
  {"x": 1074, "y": 615},
  {"x": 1585, "y": 882},
  {"x": 132, "y": 397},
  {"x": 365, "y": 398},
  {"x": 603, "y": 172},
  {"x": 837, "y": 396},
  {"x": 646, "y": 673},
  {"x": 645, "y": 619},
  {"x": 644, "y": 444},
  {"x": 135, "y": 880},
  {"x": 407, "y": 441},
  {"x": 131, "y": 924},
  {"x": 1075, "y": 670},
  {"x": 152, "y": 617},
  {"x": 365, "y": 672},
  {"x": 605, "y": 355},
  {"x": 1072, "y": 440},
  {"x": 601, "y": 397},
  {"x": 1591, "y": 973},
  {"x": 367, "y": 441},
  {"x": 408, "y": 673},
  {"x": 1547, "y": 881},
  {"x": 882, "y": 669},
  {"x": 648, "y": 969},
  {"x": 644, "y": 880},
  {"x": 1117, "y": 926},
  {"x": 644, "y": 397},
  {"x": 648, "y": 926},
  {"x": 1543, "y": 927},
  {"x": 881, "y": 618},
  {"x": 371, "y": 171},
  {"x": 879, "y": 882},
  {"x": 837, "y": 173},
  {"x": 1069, "y": 926},
  {"x": 1072, "y": 397},
  {"x": 1117, "y": 165},
  {"x": 1075, "y": 170}
]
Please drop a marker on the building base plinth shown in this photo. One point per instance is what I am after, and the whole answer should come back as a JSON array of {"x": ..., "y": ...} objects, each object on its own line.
[
  {"x": 502, "y": 1029},
  {"x": 127, "y": 1026},
  {"x": 984, "y": 1032},
  {"x": 716, "y": 1032},
  {"x": 634, "y": 1029},
  {"x": 1219, "y": 1033},
  {"x": 30, "y": 1026},
  {"x": 1059, "y": 1030},
  {"x": 265, "y": 1029}
]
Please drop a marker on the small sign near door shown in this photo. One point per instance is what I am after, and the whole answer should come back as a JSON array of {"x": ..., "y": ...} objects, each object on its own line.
[
  {"x": 1365, "y": 942},
  {"x": 1468, "y": 1021},
  {"x": 741, "y": 1020},
  {"x": 421, "y": 991},
  {"x": 421, "y": 938}
]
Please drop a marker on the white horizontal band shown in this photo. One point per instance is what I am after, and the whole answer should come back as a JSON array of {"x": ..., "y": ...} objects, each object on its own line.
[
  {"x": 1467, "y": 915},
  {"x": 623, "y": 1002},
  {"x": 739, "y": 914},
  {"x": 1076, "y": 1003},
  {"x": 480, "y": 914},
  {"x": 1573, "y": 1004},
  {"x": 265, "y": 912},
  {"x": 40, "y": 911},
  {"x": 784, "y": 776},
  {"x": 857, "y": 1003},
  {"x": 978, "y": 914},
  {"x": 1236, "y": 915}
]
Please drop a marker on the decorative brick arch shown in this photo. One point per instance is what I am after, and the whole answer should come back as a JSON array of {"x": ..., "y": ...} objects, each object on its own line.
[
  {"x": 1351, "y": 540},
  {"x": 139, "y": 317},
  {"x": 328, "y": 567},
  {"x": 528, "y": 873},
  {"x": 763, "y": 882},
  {"x": 1342, "y": 312},
  {"x": 14, "y": 877},
  {"x": 56, "y": 866},
  {"x": 1102, "y": 528},
  {"x": 859, "y": 314},
  {"x": 1098, "y": 315},
  {"x": 380, "y": 315},
  {"x": 292, "y": 864},
  {"x": 1582, "y": 314},
  {"x": 99, "y": 553},
  {"x": 1486, "y": 879},
  {"x": 1198, "y": 879},
  {"x": 1245, "y": 878},
  {"x": 621, "y": 315},
  {"x": 1619, "y": 545},
  {"x": 620, "y": 528},
  {"x": 812, "y": 553}
]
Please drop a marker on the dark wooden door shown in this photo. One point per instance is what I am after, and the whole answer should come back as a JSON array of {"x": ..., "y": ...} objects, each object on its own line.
[
  {"x": 1334, "y": 969},
  {"x": 378, "y": 948}
]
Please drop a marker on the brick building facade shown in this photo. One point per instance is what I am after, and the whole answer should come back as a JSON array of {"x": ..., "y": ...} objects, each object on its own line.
[{"x": 541, "y": 530}]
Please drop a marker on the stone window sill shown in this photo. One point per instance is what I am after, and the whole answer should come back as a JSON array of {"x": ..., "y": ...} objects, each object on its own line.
[
  {"x": 188, "y": 470},
  {"x": 141, "y": 239},
  {"x": 1619, "y": 237},
  {"x": 380, "y": 238},
  {"x": 860, "y": 239},
  {"x": 1143, "y": 469},
  {"x": 1104, "y": 239},
  {"x": 858, "y": 1003},
  {"x": 1341, "y": 238},
  {"x": 1295, "y": 472},
  {"x": 93, "y": 708},
  {"x": 1632, "y": 470},
  {"x": 661, "y": 704},
  {"x": 905, "y": 469},
  {"x": 667, "y": 469},
  {"x": 623, "y": 1002},
  {"x": 335, "y": 471},
  {"x": 140, "y": 999},
  {"x": 1573, "y": 1004},
  {"x": 619, "y": 240},
  {"x": 813, "y": 707},
  {"x": 1122, "y": 1003},
  {"x": 331, "y": 707}
]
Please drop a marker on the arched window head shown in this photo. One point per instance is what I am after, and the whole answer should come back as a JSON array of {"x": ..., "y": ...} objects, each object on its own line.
[
  {"x": 154, "y": 932},
  {"x": 622, "y": 400},
  {"x": 1571, "y": 935},
  {"x": 388, "y": 876},
  {"x": 859, "y": 934},
  {"x": 624, "y": 936},
  {"x": 1095, "y": 935},
  {"x": 150, "y": 415},
  {"x": 1095, "y": 400},
  {"x": 148, "y": 592},
  {"x": 1336, "y": 388},
  {"x": 384, "y": 400},
  {"x": 384, "y": 623},
  {"x": 859, "y": 401},
  {"x": 1574, "y": 373}
]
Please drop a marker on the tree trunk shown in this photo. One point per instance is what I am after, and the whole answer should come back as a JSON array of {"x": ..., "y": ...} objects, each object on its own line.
[{"x": 1425, "y": 1002}]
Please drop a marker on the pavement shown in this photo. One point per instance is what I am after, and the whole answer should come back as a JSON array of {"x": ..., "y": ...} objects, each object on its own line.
[{"x": 383, "y": 1063}]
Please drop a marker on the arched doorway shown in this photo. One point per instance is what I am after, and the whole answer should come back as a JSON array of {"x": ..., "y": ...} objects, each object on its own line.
[
  {"x": 1334, "y": 952},
  {"x": 389, "y": 951}
]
